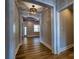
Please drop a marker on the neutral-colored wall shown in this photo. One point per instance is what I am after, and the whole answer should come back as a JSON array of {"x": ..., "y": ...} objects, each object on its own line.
[
  {"x": 46, "y": 27},
  {"x": 66, "y": 28},
  {"x": 12, "y": 29},
  {"x": 17, "y": 26},
  {"x": 30, "y": 28}
]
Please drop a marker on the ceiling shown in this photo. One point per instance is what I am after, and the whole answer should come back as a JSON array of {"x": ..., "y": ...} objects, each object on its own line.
[
  {"x": 29, "y": 5},
  {"x": 25, "y": 6}
]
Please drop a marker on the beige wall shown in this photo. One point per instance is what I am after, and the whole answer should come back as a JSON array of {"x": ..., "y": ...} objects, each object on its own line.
[
  {"x": 46, "y": 26},
  {"x": 17, "y": 28},
  {"x": 66, "y": 28}
]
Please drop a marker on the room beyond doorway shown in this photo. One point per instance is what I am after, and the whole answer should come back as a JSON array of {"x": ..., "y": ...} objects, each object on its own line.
[{"x": 31, "y": 27}]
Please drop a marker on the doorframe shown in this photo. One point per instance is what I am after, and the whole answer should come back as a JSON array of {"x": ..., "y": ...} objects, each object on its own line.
[{"x": 54, "y": 33}]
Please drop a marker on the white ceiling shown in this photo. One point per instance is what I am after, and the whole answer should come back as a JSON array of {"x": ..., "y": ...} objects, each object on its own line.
[
  {"x": 29, "y": 5},
  {"x": 25, "y": 6}
]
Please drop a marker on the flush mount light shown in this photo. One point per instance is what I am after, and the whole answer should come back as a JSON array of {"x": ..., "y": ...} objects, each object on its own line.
[{"x": 33, "y": 10}]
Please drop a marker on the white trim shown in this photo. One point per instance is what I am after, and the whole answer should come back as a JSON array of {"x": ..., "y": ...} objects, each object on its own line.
[
  {"x": 58, "y": 31},
  {"x": 33, "y": 36},
  {"x": 45, "y": 44},
  {"x": 40, "y": 27},
  {"x": 65, "y": 6},
  {"x": 16, "y": 50},
  {"x": 55, "y": 31},
  {"x": 54, "y": 28},
  {"x": 44, "y": 2},
  {"x": 65, "y": 48}
]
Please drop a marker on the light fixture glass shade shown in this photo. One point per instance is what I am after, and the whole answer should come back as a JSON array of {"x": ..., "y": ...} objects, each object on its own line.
[{"x": 33, "y": 10}]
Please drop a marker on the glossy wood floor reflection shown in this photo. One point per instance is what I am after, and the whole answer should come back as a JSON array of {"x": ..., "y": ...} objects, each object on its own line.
[{"x": 33, "y": 49}]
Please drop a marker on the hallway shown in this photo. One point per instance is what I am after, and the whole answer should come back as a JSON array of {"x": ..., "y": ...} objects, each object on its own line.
[
  {"x": 50, "y": 20},
  {"x": 33, "y": 49}
]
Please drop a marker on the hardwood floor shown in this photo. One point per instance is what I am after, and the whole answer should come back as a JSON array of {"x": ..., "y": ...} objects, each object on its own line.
[{"x": 33, "y": 49}]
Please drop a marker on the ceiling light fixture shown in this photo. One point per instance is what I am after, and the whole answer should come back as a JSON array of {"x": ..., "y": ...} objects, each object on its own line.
[{"x": 33, "y": 10}]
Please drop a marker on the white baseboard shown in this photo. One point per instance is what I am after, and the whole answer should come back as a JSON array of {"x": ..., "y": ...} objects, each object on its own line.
[
  {"x": 16, "y": 50},
  {"x": 33, "y": 36},
  {"x": 65, "y": 48},
  {"x": 45, "y": 44}
]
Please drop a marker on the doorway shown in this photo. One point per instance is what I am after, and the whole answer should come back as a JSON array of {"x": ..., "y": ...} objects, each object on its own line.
[
  {"x": 66, "y": 28},
  {"x": 31, "y": 27}
]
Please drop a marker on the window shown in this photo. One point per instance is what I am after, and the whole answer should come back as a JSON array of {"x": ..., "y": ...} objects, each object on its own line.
[
  {"x": 25, "y": 30},
  {"x": 36, "y": 28},
  {"x": 13, "y": 28}
]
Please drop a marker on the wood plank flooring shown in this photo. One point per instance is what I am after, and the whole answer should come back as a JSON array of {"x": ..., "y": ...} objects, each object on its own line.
[{"x": 33, "y": 49}]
